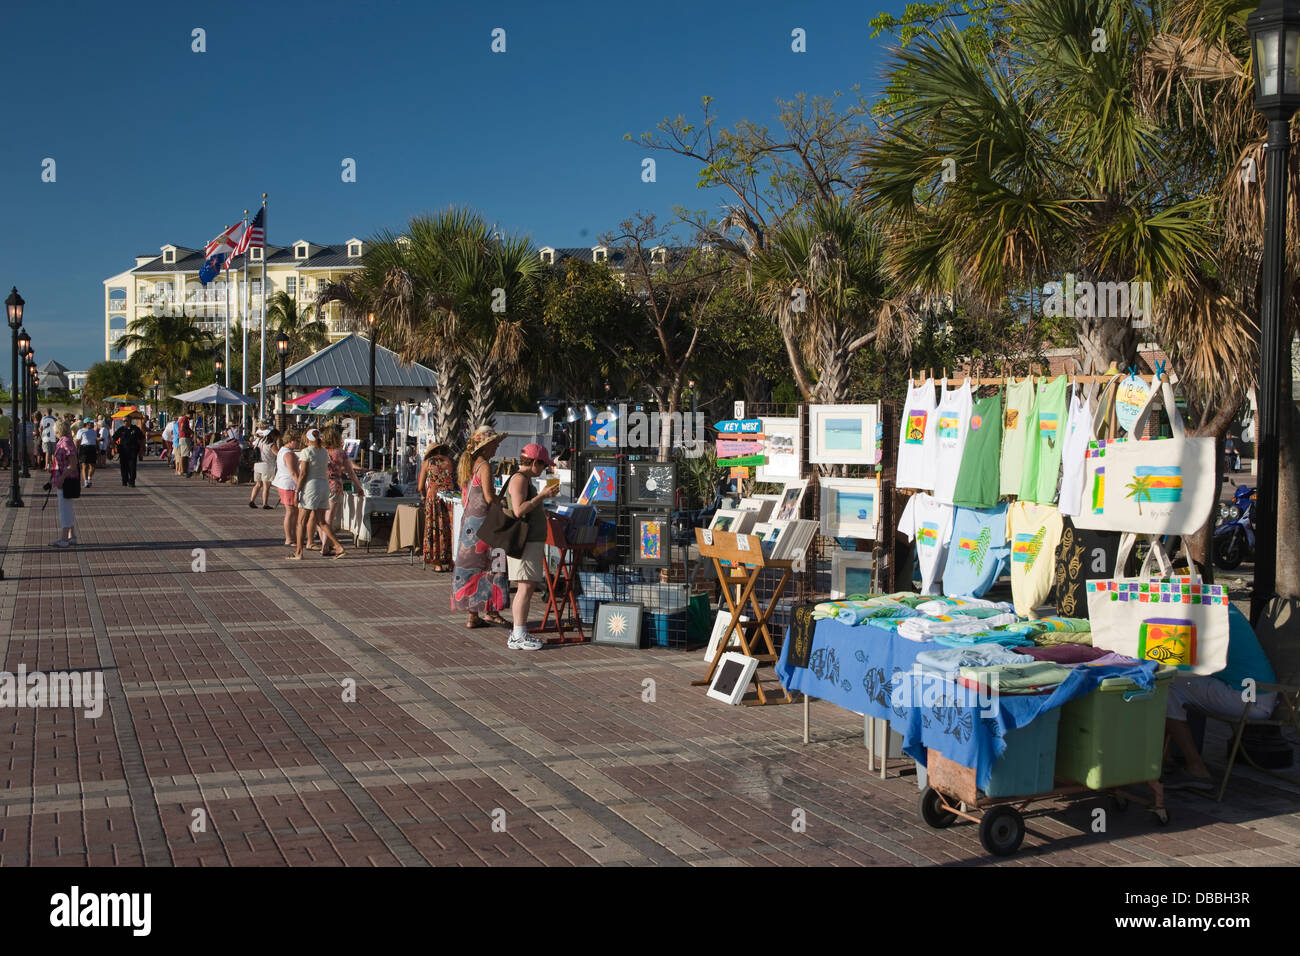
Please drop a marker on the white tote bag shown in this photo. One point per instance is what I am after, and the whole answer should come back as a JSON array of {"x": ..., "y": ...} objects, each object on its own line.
[{"x": 1175, "y": 619}]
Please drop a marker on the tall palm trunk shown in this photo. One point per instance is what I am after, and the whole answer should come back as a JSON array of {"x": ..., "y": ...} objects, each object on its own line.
[
  {"x": 1288, "y": 487},
  {"x": 482, "y": 390},
  {"x": 1106, "y": 340},
  {"x": 446, "y": 368}
]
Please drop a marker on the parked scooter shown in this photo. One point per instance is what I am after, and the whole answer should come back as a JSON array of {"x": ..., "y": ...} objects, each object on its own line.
[{"x": 1234, "y": 538}]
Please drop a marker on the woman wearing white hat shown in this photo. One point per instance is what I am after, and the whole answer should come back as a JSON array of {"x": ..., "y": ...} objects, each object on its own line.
[{"x": 314, "y": 495}]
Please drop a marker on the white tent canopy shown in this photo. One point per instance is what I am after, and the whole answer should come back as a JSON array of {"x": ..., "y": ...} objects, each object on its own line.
[{"x": 214, "y": 395}]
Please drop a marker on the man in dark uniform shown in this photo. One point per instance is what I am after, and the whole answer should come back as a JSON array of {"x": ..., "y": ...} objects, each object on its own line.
[{"x": 129, "y": 441}]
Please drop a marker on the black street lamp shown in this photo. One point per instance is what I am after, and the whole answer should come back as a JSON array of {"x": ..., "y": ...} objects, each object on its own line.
[
  {"x": 1275, "y": 43},
  {"x": 282, "y": 348},
  {"x": 370, "y": 319},
  {"x": 29, "y": 400},
  {"x": 157, "y": 396},
  {"x": 14, "y": 309}
]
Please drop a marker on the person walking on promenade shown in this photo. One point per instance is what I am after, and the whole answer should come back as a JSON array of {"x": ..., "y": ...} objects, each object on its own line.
[
  {"x": 437, "y": 473},
  {"x": 264, "y": 469},
  {"x": 87, "y": 450},
  {"x": 528, "y": 571},
  {"x": 313, "y": 495},
  {"x": 286, "y": 482},
  {"x": 340, "y": 466},
  {"x": 184, "y": 446},
  {"x": 130, "y": 442},
  {"x": 48, "y": 438},
  {"x": 6, "y": 431},
  {"x": 479, "y": 583},
  {"x": 63, "y": 466}
]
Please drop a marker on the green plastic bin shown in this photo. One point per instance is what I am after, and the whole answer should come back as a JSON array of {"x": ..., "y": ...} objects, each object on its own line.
[
  {"x": 1028, "y": 764},
  {"x": 1114, "y": 736}
]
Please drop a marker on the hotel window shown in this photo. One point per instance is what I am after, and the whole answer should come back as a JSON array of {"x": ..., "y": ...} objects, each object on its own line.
[
  {"x": 169, "y": 255},
  {"x": 255, "y": 254},
  {"x": 659, "y": 255},
  {"x": 599, "y": 255},
  {"x": 255, "y": 286},
  {"x": 291, "y": 285},
  {"x": 300, "y": 251},
  {"x": 548, "y": 256},
  {"x": 354, "y": 249}
]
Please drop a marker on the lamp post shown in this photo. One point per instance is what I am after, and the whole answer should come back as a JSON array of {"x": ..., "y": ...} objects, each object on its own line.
[
  {"x": 1275, "y": 43},
  {"x": 282, "y": 349},
  {"x": 14, "y": 308},
  {"x": 217, "y": 366},
  {"x": 370, "y": 320},
  {"x": 157, "y": 398}
]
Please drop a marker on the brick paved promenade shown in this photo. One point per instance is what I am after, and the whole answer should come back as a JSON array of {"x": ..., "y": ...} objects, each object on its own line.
[{"x": 225, "y": 695}]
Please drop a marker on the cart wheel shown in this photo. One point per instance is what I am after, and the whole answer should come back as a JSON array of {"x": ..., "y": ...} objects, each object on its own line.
[
  {"x": 1161, "y": 815},
  {"x": 1002, "y": 830},
  {"x": 1120, "y": 802},
  {"x": 932, "y": 810}
]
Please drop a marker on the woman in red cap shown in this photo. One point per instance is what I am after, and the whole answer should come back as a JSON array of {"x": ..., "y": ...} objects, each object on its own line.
[{"x": 528, "y": 570}]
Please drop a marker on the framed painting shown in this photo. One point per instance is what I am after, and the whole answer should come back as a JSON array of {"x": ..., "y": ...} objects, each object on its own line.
[
  {"x": 783, "y": 446},
  {"x": 618, "y": 624},
  {"x": 601, "y": 486},
  {"x": 651, "y": 483},
  {"x": 599, "y": 433},
  {"x": 844, "y": 434},
  {"x": 851, "y": 573},
  {"x": 651, "y": 540},
  {"x": 850, "y": 507},
  {"x": 791, "y": 502},
  {"x": 733, "y": 520},
  {"x": 731, "y": 679},
  {"x": 720, "y": 625}
]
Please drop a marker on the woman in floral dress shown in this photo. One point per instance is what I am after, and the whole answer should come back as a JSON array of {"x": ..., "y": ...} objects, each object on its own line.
[
  {"x": 438, "y": 473},
  {"x": 479, "y": 585}
]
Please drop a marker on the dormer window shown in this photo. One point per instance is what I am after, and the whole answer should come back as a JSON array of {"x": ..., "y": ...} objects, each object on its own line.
[
  {"x": 300, "y": 250},
  {"x": 600, "y": 254},
  {"x": 548, "y": 256},
  {"x": 255, "y": 253},
  {"x": 169, "y": 255},
  {"x": 659, "y": 255},
  {"x": 354, "y": 249}
]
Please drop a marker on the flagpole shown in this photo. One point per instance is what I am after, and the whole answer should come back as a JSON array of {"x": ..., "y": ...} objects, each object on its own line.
[
  {"x": 243, "y": 363},
  {"x": 261, "y": 388}
]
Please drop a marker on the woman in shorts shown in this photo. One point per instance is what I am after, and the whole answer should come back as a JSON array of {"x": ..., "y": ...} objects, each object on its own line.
[
  {"x": 264, "y": 468},
  {"x": 286, "y": 482},
  {"x": 87, "y": 450}
]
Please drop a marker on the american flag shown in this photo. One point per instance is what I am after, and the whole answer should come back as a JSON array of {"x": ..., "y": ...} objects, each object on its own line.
[{"x": 254, "y": 235}]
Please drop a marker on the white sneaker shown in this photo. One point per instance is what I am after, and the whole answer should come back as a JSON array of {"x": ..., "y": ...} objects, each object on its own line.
[
  {"x": 525, "y": 642},
  {"x": 88, "y": 481}
]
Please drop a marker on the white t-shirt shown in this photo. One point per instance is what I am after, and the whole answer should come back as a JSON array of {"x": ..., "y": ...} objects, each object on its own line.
[
  {"x": 1078, "y": 432},
  {"x": 916, "y": 439},
  {"x": 928, "y": 522},
  {"x": 284, "y": 476},
  {"x": 47, "y": 429},
  {"x": 953, "y": 423},
  {"x": 88, "y": 436}
]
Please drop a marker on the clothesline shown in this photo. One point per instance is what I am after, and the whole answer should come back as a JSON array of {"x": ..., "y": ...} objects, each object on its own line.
[{"x": 1074, "y": 379}]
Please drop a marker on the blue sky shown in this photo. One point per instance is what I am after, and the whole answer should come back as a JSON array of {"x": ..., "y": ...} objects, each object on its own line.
[{"x": 155, "y": 143}]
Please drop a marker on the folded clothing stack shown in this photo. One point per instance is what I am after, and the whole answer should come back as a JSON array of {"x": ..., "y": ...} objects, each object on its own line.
[
  {"x": 949, "y": 660},
  {"x": 860, "y": 612},
  {"x": 1112, "y": 658},
  {"x": 1068, "y": 655},
  {"x": 933, "y": 627},
  {"x": 1051, "y": 631},
  {"x": 951, "y": 605},
  {"x": 1030, "y": 677},
  {"x": 1008, "y": 635}
]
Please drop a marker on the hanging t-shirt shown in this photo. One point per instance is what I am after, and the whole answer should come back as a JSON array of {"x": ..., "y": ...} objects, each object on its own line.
[
  {"x": 916, "y": 439},
  {"x": 1043, "y": 440},
  {"x": 928, "y": 522},
  {"x": 950, "y": 438},
  {"x": 1082, "y": 556},
  {"x": 978, "y": 553},
  {"x": 1034, "y": 531},
  {"x": 1078, "y": 432},
  {"x": 1020, "y": 399},
  {"x": 977, "y": 480}
]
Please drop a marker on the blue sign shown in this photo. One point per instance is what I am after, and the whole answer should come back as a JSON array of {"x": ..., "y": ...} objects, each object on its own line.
[{"x": 748, "y": 426}]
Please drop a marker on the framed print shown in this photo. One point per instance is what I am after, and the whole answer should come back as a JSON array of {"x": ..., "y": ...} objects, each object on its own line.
[
  {"x": 651, "y": 540},
  {"x": 761, "y": 507},
  {"x": 844, "y": 434},
  {"x": 850, "y": 507},
  {"x": 618, "y": 624},
  {"x": 731, "y": 679},
  {"x": 720, "y": 624},
  {"x": 783, "y": 445},
  {"x": 794, "y": 540},
  {"x": 733, "y": 520},
  {"x": 599, "y": 433},
  {"x": 851, "y": 573},
  {"x": 791, "y": 500},
  {"x": 652, "y": 483},
  {"x": 601, "y": 486}
]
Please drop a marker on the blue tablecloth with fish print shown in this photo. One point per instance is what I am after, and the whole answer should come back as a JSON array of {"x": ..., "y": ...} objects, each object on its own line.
[{"x": 859, "y": 667}]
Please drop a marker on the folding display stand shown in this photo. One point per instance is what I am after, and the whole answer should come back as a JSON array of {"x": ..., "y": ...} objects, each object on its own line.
[
  {"x": 561, "y": 599},
  {"x": 745, "y": 553}
]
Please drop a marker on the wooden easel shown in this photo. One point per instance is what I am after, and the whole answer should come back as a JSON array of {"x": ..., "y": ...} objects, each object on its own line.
[
  {"x": 745, "y": 552},
  {"x": 563, "y": 578}
]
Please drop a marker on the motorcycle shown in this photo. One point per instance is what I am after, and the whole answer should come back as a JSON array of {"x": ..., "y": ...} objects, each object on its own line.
[{"x": 1234, "y": 538}]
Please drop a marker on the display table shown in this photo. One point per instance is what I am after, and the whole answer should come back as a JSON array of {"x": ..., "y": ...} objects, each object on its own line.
[
  {"x": 855, "y": 666},
  {"x": 408, "y": 529},
  {"x": 221, "y": 461},
  {"x": 355, "y": 512}
]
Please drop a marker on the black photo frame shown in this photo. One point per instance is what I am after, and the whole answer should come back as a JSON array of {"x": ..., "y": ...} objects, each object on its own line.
[
  {"x": 652, "y": 483},
  {"x": 662, "y": 558},
  {"x": 580, "y": 481},
  {"x": 618, "y": 624}
]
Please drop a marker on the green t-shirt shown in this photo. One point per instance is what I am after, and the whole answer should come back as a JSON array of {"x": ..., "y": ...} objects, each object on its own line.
[
  {"x": 6, "y": 426},
  {"x": 977, "y": 480},
  {"x": 1020, "y": 399},
  {"x": 1044, "y": 439}
]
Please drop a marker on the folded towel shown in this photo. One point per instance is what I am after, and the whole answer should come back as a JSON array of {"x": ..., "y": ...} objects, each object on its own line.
[
  {"x": 1065, "y": 654},
  {"x": 1056, "y": 638},
  {"x": 1005, "y": 638},
  {"x": 949, "y": 660},
  {"x": 1030, "y": 677},
  {"x": 1070, "y": 625},
  {"x": 860, "y": 615}
]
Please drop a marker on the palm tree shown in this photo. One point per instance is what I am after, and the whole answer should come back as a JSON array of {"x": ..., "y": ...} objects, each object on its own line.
[
  {"x": 163, "y": 345},
  {"x": 822, "y": 279},
  {"x": 307, "y": 332},
  {"x": 1139, "y": 488}
]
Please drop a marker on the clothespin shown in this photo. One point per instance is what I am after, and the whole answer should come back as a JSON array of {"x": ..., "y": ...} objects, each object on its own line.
[
  {"x": 1132, "y": 371},
  {"x": 1160, "y": 369}
]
